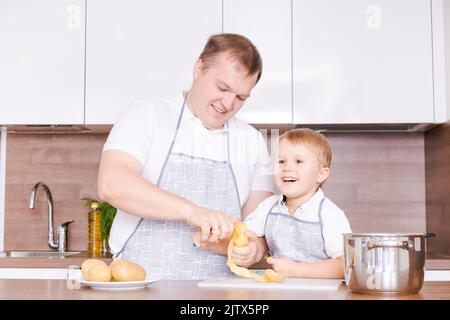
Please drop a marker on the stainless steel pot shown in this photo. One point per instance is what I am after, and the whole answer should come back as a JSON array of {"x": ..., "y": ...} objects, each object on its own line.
[{"x": 392, "y": 263}]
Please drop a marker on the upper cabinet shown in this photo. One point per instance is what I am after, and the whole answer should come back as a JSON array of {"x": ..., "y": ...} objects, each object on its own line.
[
  {"x": 361, "y": 61},
  {"x": 42, "y": 61},
  {"x": 143, "y": 49},
  {"x": 267, "y": 24},
  {"x": 324, "y": 62}
]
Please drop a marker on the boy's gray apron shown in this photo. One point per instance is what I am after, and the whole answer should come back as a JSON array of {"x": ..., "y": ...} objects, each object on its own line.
[
  {"x": 299, "y": 240},
  {"x": 164, "y": 248}
]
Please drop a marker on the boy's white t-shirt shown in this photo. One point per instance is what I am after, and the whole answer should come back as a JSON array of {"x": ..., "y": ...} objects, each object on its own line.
[
  {"x": 334, "y": 221},
  {"x": 146, "y": 130}
]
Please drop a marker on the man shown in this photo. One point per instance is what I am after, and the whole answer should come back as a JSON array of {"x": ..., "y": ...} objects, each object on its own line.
[{"x": 175, "y": 166}]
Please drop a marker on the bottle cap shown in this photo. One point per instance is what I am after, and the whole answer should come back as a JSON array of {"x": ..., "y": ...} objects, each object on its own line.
[{"x": 94, "y": 205}]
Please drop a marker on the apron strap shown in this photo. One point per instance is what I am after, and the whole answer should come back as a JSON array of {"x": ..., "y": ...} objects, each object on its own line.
[
  {"x": 265, "y": 223},
  {"x": 321, "y": 222},
  {"x": 233, "y": 176}
]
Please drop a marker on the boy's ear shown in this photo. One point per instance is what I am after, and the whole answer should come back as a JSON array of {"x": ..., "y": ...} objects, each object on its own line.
[{"x": 323, "y": 174}]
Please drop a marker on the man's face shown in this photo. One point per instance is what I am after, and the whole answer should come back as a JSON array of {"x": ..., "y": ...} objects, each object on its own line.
[{"x": 220, "y": 91}]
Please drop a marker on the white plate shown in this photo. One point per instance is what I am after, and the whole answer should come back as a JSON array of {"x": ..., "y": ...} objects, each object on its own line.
[{"x": 117, "y": 285}]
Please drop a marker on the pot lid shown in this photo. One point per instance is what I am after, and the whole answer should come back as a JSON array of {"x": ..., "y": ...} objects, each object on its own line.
[{"x": 389, "y": 234}]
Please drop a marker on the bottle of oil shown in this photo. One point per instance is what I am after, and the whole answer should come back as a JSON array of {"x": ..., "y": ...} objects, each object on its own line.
[{"x": 94, "y": 246}]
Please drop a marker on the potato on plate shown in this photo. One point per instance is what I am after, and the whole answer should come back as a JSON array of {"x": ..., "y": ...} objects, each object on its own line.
[
  {"x": 127, "y": 271},
  {"x": 88, "y": 264}
]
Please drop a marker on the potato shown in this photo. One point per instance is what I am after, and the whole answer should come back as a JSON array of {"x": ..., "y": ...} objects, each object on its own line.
[
  {"x": 240, "y": 227},
  {"x": 239, "y": 238},
  {"x": 115, "y": 261},
  {"x": 99, "y": 272},
  {"x": 87, "y": 264},
  {"x": 128, "y": 271}
]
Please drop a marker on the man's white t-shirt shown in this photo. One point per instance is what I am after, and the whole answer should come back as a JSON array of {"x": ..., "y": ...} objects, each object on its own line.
[
  {"x": 146, "y": 131},
  {"x": 334, "y": 221}
]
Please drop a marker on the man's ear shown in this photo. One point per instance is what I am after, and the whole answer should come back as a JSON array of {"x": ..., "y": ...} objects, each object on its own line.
[
  {"x": 198, "y": 68},
  {"x": 323, "y": 174}
]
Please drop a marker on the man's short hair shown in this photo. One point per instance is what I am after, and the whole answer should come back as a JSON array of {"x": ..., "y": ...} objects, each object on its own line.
[{"x": 239, "y": 47}]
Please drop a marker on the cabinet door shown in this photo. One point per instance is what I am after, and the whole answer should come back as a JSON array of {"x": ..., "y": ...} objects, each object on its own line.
[
  {"x": 143, "y": 49},
  {"x": 267, "y": 23},
  {"x": 42, "y": 61},
  {"x": 360, "y": 61}
]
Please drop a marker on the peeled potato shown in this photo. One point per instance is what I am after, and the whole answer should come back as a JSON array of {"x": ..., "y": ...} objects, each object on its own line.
[
  {"x": 239, "y": 239},
  {"x": 87, "y": 264},
  {"x": 128, "y": 271},
  {"x": 99, "y": 273}
]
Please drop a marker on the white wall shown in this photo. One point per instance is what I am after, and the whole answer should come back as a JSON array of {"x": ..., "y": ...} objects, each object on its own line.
[
  {"x": 447, "y": 53},
  {"x": 2, "y": 183}
]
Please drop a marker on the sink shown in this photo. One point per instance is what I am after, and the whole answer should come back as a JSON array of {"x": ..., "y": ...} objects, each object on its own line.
[{"x": 36, "y": 254}]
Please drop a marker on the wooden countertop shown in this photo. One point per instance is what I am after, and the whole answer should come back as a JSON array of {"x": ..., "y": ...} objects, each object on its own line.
[{"x": 188, "y": 290}]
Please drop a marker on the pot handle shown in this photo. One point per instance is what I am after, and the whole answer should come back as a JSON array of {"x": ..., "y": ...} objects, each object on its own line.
[{"x": 402, "y": 245}]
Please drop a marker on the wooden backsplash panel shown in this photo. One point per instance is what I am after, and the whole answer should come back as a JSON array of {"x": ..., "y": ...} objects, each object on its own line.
[
  {"x": 437, "y": 151},
  {"x": 68, "y": 164},
  {"x": 376, "y": 178}
]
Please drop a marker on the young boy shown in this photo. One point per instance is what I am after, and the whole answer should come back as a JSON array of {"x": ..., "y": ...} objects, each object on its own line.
[{"x": 301, "y": 229}]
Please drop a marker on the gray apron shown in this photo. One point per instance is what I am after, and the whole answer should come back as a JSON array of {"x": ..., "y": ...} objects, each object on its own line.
[
  {"x": 164, "y": 248},
  {"x": 299, "y": 240}
]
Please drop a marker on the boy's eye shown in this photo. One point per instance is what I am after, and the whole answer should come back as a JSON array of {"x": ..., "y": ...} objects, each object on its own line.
[
  {"x": 299, "y": 161},
  {"x": 221, "y": 89},
  {"x": 280, "y": 161},
  {"x": 240, "y": 98}
]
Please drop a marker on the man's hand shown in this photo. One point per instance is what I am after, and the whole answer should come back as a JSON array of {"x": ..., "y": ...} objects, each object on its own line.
[
  {"x": 214, "y": 225},
  {"x": 249, "y": 254}
]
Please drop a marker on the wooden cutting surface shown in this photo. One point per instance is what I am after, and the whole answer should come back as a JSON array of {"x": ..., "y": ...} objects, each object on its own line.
[{"x": 189, "y": 290}]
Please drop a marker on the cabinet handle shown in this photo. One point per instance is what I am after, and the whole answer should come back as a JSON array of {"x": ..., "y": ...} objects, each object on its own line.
[
  {"x": 73, "y": 21},
  {"x": 373, "y": 21}
]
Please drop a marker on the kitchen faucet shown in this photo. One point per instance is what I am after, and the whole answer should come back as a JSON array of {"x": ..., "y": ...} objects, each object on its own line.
[{"x": 61, "y": 241}]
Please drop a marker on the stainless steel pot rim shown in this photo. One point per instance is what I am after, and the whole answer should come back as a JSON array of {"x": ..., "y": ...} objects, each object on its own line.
[{"x": 386, "y": 234}]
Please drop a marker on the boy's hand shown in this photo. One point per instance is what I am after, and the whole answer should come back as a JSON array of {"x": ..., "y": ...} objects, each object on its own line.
[
  {"x": 284, "y": 266},
  {"x": 247, "y": 255}
]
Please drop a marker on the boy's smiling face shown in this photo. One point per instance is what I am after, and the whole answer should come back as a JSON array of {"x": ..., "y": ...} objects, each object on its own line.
[{"x": 299, "y": 173}]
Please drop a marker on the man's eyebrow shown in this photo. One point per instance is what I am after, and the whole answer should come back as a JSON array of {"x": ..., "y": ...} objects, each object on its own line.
[{"x": 224, "y": 84}]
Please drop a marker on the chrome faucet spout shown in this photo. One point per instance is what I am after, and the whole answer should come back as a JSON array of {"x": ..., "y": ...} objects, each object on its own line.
[{"x": 51, "y": 241}]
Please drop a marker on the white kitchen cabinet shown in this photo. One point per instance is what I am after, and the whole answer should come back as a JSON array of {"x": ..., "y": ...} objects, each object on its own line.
[
  {"x": 42, "y": 61},
  {"x": 361, "y": 61},
  {"x": 267, "y": 23},
  {"x": 143, "y": 49}
]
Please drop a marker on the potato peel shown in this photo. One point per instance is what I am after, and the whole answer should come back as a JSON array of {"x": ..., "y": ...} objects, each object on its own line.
[{"x": 239, "y": 239}]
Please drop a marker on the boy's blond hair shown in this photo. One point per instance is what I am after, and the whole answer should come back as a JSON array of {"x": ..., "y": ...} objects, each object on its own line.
[{"x": 314, "y": 141}]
